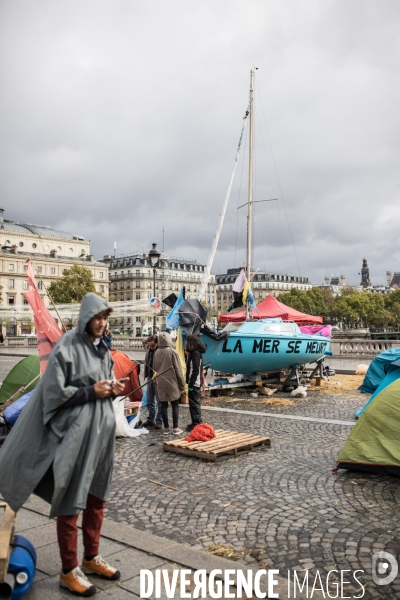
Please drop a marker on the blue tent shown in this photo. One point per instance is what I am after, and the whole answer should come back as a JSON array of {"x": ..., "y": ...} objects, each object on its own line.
[
  {"x": 383, "y": 371},
  {"x": 378, "y": 369}
]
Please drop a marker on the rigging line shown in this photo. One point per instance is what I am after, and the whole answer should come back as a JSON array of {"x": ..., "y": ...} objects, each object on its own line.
[
  {"x": 262, "y": 245},
  {"x": 240, "y": 191},
  {"x": 279, "y": 212},
  {"x": 279, "y": 184}
]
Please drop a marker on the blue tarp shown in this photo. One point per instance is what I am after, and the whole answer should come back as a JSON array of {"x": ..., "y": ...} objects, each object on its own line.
[
  {"x": 13, "y": 411},
  {"x": 378, "y": 369}
]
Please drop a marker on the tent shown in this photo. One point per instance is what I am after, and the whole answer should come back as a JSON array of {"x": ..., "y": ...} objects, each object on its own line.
[
  {"x": 378, "y": 369},
  {"x": 125, "y": 367},
  {"x": 373, "y": 443},
  {"x": 20, "y": 376},
  {"x": 272, "y": 308},
  {"x": 389, "y": 372}
]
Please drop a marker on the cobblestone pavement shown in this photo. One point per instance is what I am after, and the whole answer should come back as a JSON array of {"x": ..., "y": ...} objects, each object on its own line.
[
  {"x": 316, "y": 404},
  {"x": 282, "y": 505}
]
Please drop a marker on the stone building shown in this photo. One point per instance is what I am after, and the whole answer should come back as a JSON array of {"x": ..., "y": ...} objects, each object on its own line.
[
  {"x": 131, "y": 280},
  {"x": 262, "y": 284},
  {"x": 51, "y": 252}
]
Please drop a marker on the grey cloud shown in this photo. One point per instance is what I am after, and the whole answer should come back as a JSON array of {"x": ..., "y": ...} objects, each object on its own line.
[{"x": 121, "y": 118}]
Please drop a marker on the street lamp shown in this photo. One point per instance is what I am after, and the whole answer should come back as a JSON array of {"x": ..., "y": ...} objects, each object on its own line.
[{"x": 154, "y": 257}]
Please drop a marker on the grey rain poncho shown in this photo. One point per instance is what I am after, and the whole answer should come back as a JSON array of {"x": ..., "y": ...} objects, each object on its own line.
[{"x": 64, "y": 454}]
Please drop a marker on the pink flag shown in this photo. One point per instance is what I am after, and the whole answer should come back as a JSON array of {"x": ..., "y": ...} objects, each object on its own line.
[{"x": 47, "y": 331}]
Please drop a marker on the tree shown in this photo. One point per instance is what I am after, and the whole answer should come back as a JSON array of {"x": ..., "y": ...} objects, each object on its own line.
[{"x": 76, "y": 282}]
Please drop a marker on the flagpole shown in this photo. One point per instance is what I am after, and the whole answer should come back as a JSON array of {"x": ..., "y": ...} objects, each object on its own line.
[{"x": 48, "y": 295}]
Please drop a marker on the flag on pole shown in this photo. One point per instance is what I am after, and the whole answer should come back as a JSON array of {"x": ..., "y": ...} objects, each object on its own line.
[
  {"x": 47, "y": 331},
  {"x": 173, "y": 317},
  {"x": 242, "y": 292}
]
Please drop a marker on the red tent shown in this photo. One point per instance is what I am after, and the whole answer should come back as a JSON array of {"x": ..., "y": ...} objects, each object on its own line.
[
  {"x": 125, "y": 367},
  {"x": 272, "y": 308}
]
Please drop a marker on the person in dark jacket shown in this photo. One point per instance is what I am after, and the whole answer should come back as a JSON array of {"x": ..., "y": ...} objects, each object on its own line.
[
  {"x": 154, "y": 419},
  {"x": 194, "y": 377},
  {"x": 107, "y": 338}
]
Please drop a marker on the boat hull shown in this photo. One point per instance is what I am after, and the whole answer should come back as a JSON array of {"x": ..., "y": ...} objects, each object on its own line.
[{"x": 252, "y": 353}]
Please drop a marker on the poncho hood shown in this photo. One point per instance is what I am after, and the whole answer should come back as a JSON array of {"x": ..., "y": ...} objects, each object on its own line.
[
  {"x": 92, "y": 305},
  {"x": 164, "y": 340}
]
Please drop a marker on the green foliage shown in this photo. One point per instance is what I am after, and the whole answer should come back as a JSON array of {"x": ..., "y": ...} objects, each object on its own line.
[
  {"x": 76, "y": 282},
  {"x": 350, "y": 307},
  {"x": 313, "y": 302}
]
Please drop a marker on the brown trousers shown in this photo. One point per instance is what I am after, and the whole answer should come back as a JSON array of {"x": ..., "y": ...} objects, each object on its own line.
[{"x": 67, "y": 532}]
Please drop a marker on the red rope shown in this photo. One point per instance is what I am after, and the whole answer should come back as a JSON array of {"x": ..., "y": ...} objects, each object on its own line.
[{"x": 201, "y": 433}]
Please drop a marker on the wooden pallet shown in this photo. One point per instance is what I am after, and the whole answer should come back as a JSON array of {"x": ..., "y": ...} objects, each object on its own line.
[
  {"x": 7, "y": 527},
  {"x": 225, "y": 445}
]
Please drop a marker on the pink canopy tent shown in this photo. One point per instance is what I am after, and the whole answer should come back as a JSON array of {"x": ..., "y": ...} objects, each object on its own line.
[{"x": 272, "y": 308}]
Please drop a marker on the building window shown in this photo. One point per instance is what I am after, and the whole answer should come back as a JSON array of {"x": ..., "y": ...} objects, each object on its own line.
[
  {"x": 21, "y": 244},
  {"x": 40, "y": 285},
  {"x": 10, "y": 267},
  {"x": 148, "y": 284},
  {"x": 137, "y": 319},
  {"x": 102, "y": 288},
  {"x": 25, "y": 301},
  {"x": 137, "y": 271},
  {"x": 39, "y": 269},
  {"x": 25, "y": 284},
  {"x": 11, "y": 300},
  {"x": 25, "y": 267},
  {"x": 115, "y": 286},
  {"x": 11, "y": 283},
  {"x": 260, "y": 294},
  {"x": 137, "y": 284},
  {"x": 101, "y": 274},
  {"x": 122, "y": 285},
  {"x": 148, "y": 295},
  {"x": 52, "y": 270},
  {"x": 121, "y": 297},
  {"x": 34, "y": 245},
  {"x": 137, "y": 295}
]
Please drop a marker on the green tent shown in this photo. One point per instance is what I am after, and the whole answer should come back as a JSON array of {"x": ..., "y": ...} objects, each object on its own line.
[
  {"x": 374, "y": 442},
  {"x": 20, "y": 376}
]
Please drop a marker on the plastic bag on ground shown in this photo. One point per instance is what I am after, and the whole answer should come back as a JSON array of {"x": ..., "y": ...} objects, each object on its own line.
[{"x": 125, "y": 429}]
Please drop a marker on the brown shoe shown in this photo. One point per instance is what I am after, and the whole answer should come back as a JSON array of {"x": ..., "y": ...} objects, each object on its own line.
[
  {"x": 76, "y": 582},
  {"x": 158, "y": 426},
  {"x": 148, "y": 423},
  {"x": 99, "y": 566}
]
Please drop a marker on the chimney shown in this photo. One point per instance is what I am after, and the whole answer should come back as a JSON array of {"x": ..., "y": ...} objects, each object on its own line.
[
  {"x": 327, "y": 280},
  {"x": 89, "y": 257},
  {"x": 1, "y": 218},
  {"x": 53, "y": 253},
  {"x": 343, "y": 280},
  {"x": 388, "y": 278}
]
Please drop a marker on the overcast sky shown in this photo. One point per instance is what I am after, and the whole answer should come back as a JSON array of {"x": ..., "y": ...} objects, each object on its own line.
[{"x": 119, "y": 118}]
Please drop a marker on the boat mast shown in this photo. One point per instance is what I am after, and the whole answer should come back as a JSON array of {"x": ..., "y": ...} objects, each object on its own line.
[
  {"x": 250, "y": 183},
  {"x": 206, "y": 276}
]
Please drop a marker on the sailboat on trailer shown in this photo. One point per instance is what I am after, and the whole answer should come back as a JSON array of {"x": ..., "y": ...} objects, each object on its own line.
[{"x": 262, "y": 345}]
